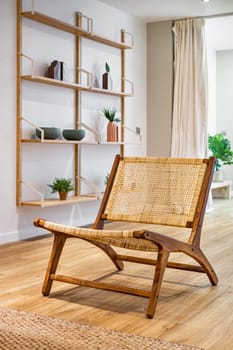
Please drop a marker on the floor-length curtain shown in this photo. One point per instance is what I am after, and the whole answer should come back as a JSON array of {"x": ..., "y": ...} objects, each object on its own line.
[{"x": 189, "y": 124}]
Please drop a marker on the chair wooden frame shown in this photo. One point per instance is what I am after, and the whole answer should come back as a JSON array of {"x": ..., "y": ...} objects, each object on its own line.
[{"x": 143, "y": 239}]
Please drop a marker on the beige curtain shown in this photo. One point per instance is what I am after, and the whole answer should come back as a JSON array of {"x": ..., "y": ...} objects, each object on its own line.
[{"x": 189, "y": 125}]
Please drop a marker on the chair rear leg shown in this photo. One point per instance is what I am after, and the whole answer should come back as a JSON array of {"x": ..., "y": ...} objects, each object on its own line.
[
  {"x": 162, "y": 260},
  {"x": 200, "y": 257},
  {"x": 58, "y": 244}
]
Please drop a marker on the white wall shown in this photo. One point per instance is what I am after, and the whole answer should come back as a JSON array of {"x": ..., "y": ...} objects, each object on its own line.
[
  {"x": 8, "y": 210},
  {"x": 224, "y": 78},
  {"x": 52, "y": 106}
]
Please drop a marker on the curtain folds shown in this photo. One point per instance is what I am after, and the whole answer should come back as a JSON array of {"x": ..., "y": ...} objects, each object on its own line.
[{"x": 189, "y": 124}]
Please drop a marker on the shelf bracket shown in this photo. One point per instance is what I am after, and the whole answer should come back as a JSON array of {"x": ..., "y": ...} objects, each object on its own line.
[
  {"x": 34, "y": 190},
  {"x": 97, "y": 135},
  {"x": 131, "y": 84},
  {"x": 89, "y": 22},
  {"x": 35, "y": 126},
  {"x": 32, "y": 63},
  {"x": 130, "y": 36},
  {"x": 133, "y": 132},
  {"x": 89, "y": 77},
  {"x": 91, "y": 185}
]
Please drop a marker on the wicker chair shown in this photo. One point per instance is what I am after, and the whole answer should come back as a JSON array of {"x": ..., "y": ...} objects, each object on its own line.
[{"x": 148, "y": 190}]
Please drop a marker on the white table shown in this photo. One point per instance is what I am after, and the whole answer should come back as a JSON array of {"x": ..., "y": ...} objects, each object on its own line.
[{"x": 221, "y": 189}]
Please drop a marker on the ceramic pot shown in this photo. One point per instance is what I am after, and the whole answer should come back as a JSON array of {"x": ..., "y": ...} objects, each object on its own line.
[
  {"x": 63, "y": 195},
  {"x": 112, "y": 132},
  {"x": 50, "y": 133},
  {"x": 74, "y": 134}
]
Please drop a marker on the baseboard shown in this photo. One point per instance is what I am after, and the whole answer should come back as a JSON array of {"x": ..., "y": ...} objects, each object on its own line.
[
  {"x": 34, "y": 232},
  {"x": 8, "y": 237}
]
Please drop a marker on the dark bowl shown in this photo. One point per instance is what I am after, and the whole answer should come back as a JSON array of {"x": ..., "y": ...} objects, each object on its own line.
[
  {"x": 74, "y": 134},
  {"x": 50, "y": 133}
]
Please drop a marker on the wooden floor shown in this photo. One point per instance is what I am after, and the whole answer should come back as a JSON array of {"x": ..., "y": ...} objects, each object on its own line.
[{"x": 189, "y": 311}]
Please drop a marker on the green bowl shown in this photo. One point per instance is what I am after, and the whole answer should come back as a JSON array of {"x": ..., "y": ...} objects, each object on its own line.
[
  {"x": 74, "y": 134},
  {"x": 50, "y": 133}
]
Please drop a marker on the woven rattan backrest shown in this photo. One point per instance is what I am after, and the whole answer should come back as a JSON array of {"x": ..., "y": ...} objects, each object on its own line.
[{"x": 156, "y": 190}]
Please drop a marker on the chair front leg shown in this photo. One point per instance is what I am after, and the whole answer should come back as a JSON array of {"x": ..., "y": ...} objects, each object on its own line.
[
  {"x": 58, "y": 244},
  {"x": 162, "y": 260}
]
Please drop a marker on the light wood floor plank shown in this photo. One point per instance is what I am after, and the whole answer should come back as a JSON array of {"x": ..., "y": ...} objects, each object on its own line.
[{"x": 189, "y": 310}]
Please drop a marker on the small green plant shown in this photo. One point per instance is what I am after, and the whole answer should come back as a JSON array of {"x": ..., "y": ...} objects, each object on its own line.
[
  {"x": 107, "y": 68},
  {"x": 106, "y": 178},
  {"x": 221, "y": 149},
  {"x": 110, "y": 114},
  {"x": 61, "y": 185}
]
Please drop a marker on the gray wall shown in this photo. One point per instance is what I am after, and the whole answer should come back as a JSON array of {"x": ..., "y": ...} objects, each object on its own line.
[{"x": 159, "y": 87}]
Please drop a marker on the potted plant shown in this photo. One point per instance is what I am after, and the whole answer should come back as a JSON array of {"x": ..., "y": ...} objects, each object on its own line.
[
  {"x": 107, "y": 80},
  {"x": 106, "y": 178},
  {"x": 62, "y": 186},
  {"x": 221, "y": 149},
  {"x": 112, "y": 128}
]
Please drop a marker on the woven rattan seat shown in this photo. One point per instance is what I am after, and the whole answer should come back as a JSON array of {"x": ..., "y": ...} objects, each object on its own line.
[{"x": 144, "y": 190}]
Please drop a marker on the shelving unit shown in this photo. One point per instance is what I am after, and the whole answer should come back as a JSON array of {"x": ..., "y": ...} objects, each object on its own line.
[
  {"x": 78, "y": 88},
  {"x": 64, "y": 84},
  {"x": 55, "y": 202},
  {"x": 69, "y": 142},
  {"x": 50, "y": 21},
  {"x": 59, "y": 142},
  {"x": 54, "y": 82}
]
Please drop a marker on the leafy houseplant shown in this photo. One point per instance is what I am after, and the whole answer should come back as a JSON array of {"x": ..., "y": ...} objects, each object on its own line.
[
  {"x": 112, "y": 128},
  {"x": 62, "y": 186},
  {"x": 110, "y": 114},
  {"x": 107, "y": 67},
  {"x": 221, "y": 149}
]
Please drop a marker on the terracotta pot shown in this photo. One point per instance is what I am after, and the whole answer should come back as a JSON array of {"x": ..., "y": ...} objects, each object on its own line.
[
  {"x": 63, "y": 195},
  {"x": 112, "y": 132}
]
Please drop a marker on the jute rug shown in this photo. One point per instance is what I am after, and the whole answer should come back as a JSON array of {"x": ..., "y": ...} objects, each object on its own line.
[{"x": 26, "y": 331}]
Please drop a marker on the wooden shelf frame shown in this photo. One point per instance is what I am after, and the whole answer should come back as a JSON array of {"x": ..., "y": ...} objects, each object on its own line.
[
  {"x": 80, "y": 33},
  {"x": 51, "y": 202},
  {"x": 63, "y": 141},
  {"x": 71, "y": 142},
  {"x": 46, "y": 203},
  {"x": 54, "y": 82},
  {"x": 59, "y": 142},
  {"x": 77, "y": 30},
  {"x": 75, "y": 86}
]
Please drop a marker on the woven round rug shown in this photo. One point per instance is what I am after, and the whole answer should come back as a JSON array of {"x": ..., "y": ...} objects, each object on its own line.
[{"x": 21, "y": 330}]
